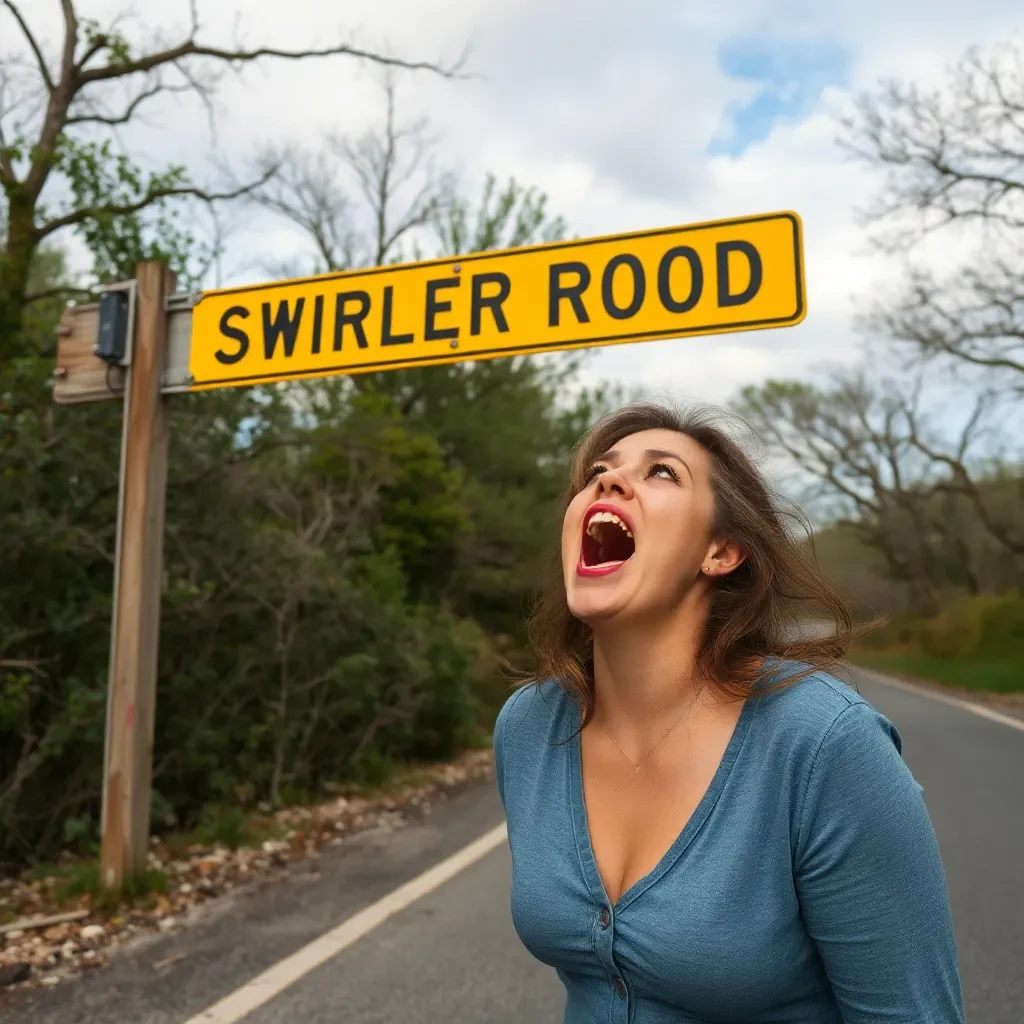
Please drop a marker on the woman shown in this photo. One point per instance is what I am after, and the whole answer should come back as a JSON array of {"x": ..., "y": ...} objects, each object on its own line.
[{"x": 704, "y": 824}]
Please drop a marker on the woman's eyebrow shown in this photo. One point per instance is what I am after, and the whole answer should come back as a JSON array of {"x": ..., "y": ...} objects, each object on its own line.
[{"x": 664, "y": 453}]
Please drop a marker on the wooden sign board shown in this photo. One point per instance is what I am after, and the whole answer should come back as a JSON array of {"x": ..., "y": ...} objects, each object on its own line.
[{"x": 81, "y": 377}]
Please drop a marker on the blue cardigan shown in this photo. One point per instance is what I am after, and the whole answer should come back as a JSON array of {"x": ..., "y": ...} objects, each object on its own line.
[{"x": 806, "y": 887}]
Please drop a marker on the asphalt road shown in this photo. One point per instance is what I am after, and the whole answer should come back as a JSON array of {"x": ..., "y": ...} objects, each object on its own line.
[{"x": 453, "y": 955}]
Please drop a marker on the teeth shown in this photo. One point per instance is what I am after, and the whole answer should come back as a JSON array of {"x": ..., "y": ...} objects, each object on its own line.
[{"x": 606, "y": 517}]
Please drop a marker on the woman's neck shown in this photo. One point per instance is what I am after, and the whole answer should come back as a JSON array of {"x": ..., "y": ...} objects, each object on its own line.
[{"x": 645, "y": 671}]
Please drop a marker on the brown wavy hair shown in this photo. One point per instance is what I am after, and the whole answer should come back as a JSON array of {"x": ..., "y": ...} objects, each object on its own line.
[{"x": 756, "y": 610}]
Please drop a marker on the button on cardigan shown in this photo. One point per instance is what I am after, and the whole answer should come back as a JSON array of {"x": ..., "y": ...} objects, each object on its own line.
[{"x": 806, "y": 887}]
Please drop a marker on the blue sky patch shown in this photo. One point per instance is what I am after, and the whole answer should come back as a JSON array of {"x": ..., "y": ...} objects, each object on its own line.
[{"x": 792, "y": 77}]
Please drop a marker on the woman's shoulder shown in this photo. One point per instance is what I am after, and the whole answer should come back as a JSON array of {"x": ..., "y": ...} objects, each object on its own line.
[
  {"x": 819, "y": 707},
  {"x": 830, "y": 747},
  {"x": 534, "y": 708},
  {"x": 530, "y": 719}
]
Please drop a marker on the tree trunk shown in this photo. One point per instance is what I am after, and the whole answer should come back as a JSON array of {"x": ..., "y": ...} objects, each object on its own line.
[{"x": 15, "y": 267}]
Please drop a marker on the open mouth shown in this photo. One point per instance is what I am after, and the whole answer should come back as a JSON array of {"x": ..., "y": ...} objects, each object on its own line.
[{"x": 608, "y": 540}]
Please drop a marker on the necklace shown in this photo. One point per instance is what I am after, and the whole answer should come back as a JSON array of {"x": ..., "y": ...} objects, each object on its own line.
[{"x": 636, "y": 764}]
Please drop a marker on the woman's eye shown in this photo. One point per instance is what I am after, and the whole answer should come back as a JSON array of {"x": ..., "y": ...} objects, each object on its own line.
[
  {"x": 660, "y": 469},
  {"x": 594, "y": 470}
]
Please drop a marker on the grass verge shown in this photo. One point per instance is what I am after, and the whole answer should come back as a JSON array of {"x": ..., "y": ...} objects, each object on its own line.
[
  {"x": 69, "y": 882},
  {"x": 998, "y": 675}
]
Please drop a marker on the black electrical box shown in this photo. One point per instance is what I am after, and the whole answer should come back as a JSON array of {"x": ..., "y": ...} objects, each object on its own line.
[{"x": 113, "y": 333}]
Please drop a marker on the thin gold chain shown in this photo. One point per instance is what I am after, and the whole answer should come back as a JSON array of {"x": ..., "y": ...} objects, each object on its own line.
[{"x": 636, "y": 764}]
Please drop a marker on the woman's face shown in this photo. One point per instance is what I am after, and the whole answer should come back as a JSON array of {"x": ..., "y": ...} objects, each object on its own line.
[{"x": 637, "y": 536}]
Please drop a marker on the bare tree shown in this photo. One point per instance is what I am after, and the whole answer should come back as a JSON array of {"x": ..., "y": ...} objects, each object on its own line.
[
  {"x": 949, "y": 155},
  {"x": 870, "y": 457},
  {"x": 395, "y": 166},
  {"x": 953, "y": 158},
  {"x": 506, "y": 217},
  {"x": 363, "y": 202},
  {"x": 308, "y": 192},
  {"x": 45, "y": 105},
  {"x": 358, "y": 200},
  {"x": 975, "y": 319}
]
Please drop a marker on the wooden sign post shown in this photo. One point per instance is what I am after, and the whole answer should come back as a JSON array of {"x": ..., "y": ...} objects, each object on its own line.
[{"x": 138, "y": 573}]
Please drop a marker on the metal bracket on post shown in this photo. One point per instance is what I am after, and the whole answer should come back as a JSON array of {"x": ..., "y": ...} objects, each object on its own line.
[
  {"x": 176, "y": 378},
  {"x": 182, "y": 301}
]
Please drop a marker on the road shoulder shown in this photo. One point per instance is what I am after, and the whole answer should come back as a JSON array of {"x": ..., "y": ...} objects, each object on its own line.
[{"x": 169, "y": 978}]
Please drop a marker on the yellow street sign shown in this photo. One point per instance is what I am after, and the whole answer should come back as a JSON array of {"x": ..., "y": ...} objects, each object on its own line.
[{"x": 735, "y": 275}]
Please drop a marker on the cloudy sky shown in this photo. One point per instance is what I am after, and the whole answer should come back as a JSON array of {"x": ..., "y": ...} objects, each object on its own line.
[{"x": 628, "y": 115}]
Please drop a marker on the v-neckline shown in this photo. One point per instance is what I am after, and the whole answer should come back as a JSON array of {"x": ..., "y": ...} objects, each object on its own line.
[{"x": 581, "y": 824}]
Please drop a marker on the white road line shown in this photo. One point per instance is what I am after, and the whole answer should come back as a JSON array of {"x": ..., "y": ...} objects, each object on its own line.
[
  {"x": 966, "y": 705},
  {"x": 276, "y": 979}
]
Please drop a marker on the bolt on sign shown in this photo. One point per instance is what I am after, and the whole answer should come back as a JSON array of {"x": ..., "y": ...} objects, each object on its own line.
[{"x": 735, "y": 275}]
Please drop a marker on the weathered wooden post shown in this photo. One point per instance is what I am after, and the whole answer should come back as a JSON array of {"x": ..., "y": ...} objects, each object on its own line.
[{"x": 138, "y": 574}]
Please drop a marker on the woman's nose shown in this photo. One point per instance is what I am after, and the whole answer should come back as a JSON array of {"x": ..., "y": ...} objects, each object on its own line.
[{"x": 614, "y": 481}]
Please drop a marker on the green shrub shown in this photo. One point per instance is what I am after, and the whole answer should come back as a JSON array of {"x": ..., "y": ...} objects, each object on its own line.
[
  {"x": 336, "y": 562},
  {"x": 1003, "y": 620},
  {"x": 222, "y": 826},
  {"x": 985, "y": 626}
]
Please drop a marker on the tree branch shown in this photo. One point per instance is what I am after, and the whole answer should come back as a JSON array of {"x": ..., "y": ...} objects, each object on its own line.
[
  {"x": 306, "y": 192},
  {"x": 67, "y": 64},
  {"x": 976, "y": 317},
  {"x": 961, "y": 481},
  {"x": 57, "y": 107},
  {"x": 55, "y": 293},
  {"x": 190, "y": 48},
  {"x": 7, "y": 177},
  {"x": 98, "y": 43},
  {"x": 950, "y": 154},
  {"x": 125, "y": 209},
  {"x": 380, "y": 163},
  {"x": 25, "y": 664},
  {"x": 33, "y": 43},
  {"x": 129, "y": 111}
]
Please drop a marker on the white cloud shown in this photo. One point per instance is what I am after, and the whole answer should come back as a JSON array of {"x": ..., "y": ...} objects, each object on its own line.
[{"x": 609, "y": 108}]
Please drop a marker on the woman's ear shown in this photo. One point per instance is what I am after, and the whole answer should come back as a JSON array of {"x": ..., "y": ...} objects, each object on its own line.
[{"x": 723, "y": 557}]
